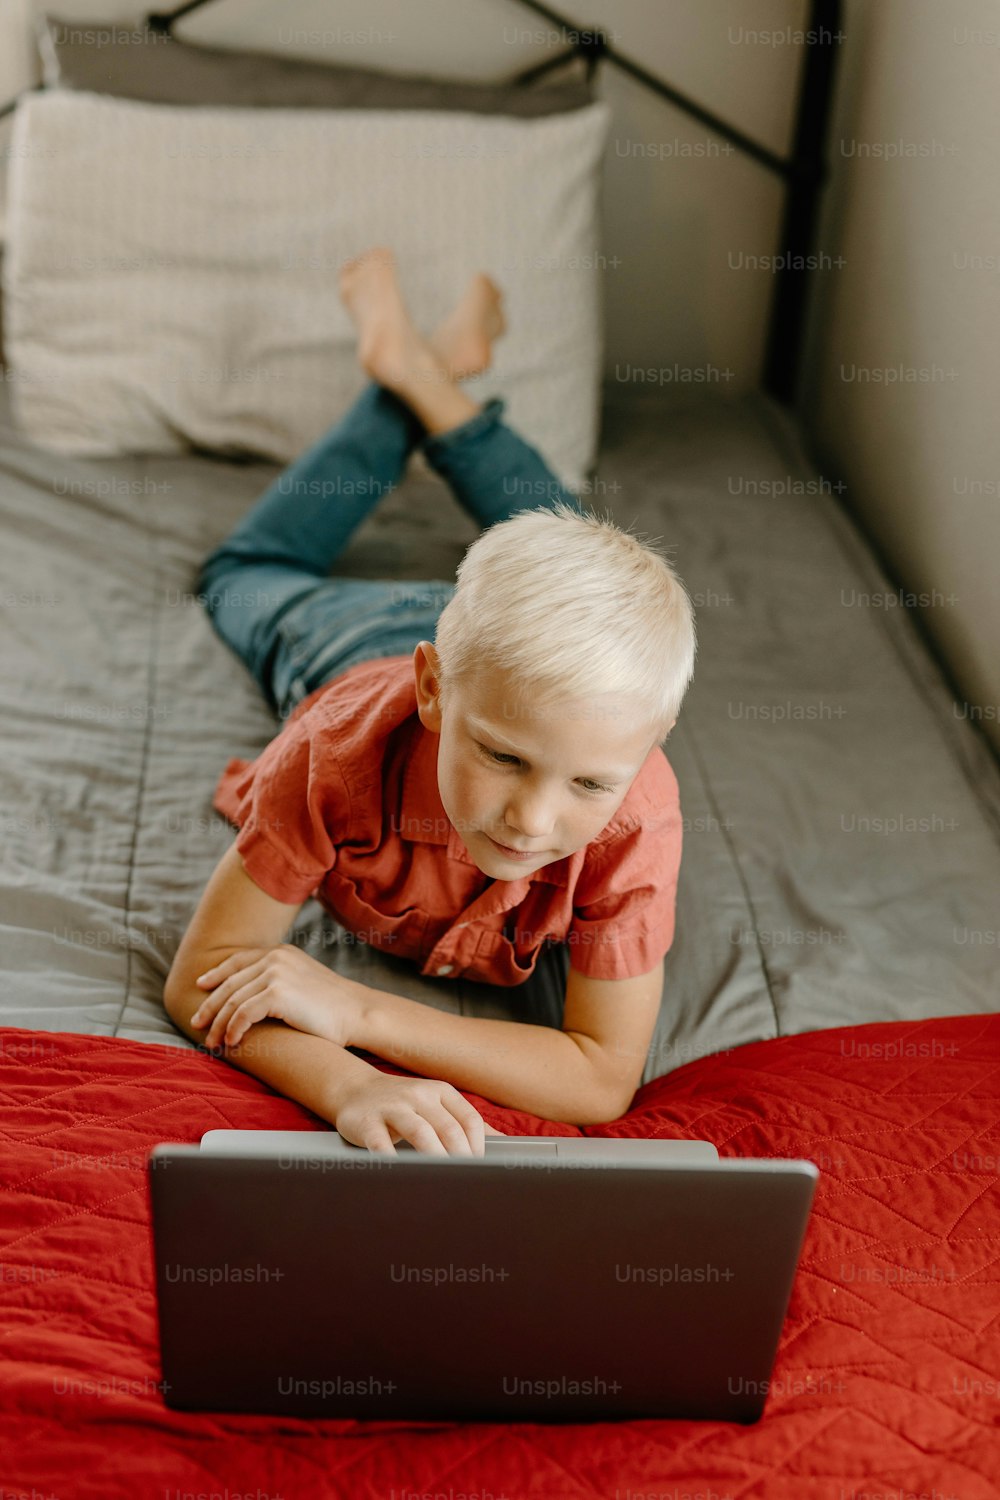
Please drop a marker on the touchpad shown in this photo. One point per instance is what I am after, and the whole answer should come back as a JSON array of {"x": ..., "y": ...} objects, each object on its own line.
[
  {"x": 532, "y": 1146},
  {"x": 500, "y": 1145}
]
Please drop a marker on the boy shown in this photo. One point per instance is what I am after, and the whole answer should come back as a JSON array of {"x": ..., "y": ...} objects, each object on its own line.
[{"x": 464, "y": 803}]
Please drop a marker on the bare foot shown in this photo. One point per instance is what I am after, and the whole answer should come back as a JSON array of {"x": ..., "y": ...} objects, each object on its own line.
[
  {"x": 390, "y": 348},
  {"x": 464, "y": 341},
  {"x": 394, "y": 353}
]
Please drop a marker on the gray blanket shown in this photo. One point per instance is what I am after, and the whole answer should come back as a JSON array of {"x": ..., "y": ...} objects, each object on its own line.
[{"x": 842, "y": 824}]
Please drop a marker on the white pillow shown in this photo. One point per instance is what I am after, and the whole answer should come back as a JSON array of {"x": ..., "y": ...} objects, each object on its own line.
[{"x": 171, "y": 273}]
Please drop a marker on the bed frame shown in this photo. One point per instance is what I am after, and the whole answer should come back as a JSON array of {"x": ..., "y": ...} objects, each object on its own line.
[{"x": 803, "y": 172}]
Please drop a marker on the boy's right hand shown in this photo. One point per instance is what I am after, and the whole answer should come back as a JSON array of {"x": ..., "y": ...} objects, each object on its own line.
[{"x": 428, "y": 1113}]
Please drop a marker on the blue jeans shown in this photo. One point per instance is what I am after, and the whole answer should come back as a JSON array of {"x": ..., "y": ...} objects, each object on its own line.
[{"x": 267, "y": 587}]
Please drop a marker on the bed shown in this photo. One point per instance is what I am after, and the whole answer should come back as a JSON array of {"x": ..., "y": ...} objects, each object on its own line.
[
  {"x": 840, "y": 835},
  {"x": 831, "y": 992}
]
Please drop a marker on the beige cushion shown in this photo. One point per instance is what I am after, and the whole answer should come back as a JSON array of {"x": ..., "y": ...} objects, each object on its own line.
[{"x": 171, "y": 273}]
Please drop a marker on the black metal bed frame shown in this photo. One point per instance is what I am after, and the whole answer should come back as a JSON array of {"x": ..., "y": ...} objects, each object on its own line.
[{"x": 803, "y": 172}]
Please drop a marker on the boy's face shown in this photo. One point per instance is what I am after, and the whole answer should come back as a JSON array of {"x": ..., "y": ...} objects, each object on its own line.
[{"x": 544, "y": 780}]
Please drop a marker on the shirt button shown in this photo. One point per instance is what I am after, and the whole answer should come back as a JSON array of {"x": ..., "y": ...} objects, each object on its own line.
[{"x": 446, "y": 968}]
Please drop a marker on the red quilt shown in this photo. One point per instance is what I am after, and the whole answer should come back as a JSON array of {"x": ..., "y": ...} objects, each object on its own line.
[{"x": 887, "y": 1382}]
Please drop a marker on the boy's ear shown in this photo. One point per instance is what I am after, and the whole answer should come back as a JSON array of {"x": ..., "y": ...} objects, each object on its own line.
[{"x": 426, "y": 678}]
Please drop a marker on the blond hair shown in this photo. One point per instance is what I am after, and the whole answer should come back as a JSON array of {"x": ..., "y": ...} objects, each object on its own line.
[{"x": 571, "y": 606}]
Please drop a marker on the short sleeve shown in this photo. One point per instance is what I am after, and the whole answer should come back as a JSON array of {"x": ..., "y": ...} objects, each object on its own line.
[
  {"x": 625, "y": 899},
  {"x": 290, "y": 805}
]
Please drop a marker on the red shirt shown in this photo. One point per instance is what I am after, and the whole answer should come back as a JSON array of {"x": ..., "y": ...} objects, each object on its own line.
[{"x": 344, "y": 804}]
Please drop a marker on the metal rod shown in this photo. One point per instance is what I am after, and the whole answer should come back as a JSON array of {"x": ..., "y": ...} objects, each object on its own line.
[
  {"x": 745, "y": 143},
  {"x": 592, "y": 42},
  {"x": 786, "y": 330},
  {"x": 162, "y": 21},
  {"x": 11, "y": 105},
  {"x": 540, "y": 69}
]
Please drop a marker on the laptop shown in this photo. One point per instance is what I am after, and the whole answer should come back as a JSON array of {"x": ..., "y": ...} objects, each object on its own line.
[{"x": 552, "y": 1279}]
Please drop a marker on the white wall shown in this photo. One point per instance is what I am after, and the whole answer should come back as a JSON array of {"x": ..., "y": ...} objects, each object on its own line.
[{"x": 921, "y": 456}]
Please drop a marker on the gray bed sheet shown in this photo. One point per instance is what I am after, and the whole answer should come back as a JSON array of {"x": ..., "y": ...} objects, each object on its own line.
[{"x": 842, "y": 826}]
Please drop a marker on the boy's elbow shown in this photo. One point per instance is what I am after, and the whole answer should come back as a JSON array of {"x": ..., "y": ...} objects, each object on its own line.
[
  {"x": 177, "y": 997},
  {"x": 599, "y": 1114},
  {"x": 169, "y": 992},
  {"x": 605, "y": 1104},
  {"x": 609, "y": 1095},
  {"x": 614, "y": 1108}
]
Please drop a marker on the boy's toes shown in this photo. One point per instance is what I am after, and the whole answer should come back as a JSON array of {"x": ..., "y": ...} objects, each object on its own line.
[{"x": 373, "y": 256}]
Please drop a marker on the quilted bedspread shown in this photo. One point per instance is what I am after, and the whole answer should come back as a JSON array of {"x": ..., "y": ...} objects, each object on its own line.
[{"x": 887, "y": 1381}]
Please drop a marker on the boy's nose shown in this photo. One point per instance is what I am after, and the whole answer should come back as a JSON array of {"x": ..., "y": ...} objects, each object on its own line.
[{"x": 529, "y": 821}]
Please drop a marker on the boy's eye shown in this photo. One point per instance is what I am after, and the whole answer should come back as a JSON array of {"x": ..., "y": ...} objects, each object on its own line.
[{"x": 503, "y": 759}]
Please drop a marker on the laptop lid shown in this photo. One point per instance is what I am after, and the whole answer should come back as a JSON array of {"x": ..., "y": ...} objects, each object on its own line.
[{"x": 452, "y": 1288}]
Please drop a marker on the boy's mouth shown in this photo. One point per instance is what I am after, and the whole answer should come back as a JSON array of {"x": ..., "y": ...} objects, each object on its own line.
[{"x": 510, "y": 853}]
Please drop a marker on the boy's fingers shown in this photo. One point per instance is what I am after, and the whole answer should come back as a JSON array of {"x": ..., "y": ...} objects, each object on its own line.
[
  {"x": 207, "y": 1010},
  {"x": 220, "y": 1021},
  {"x": 227, "y": 1000},
  {"x": 243, "y": 1017},
  {"x": 377, "y": 1138},
  {"x": 230, "y": 965},
  {"x": 468, "y": 1117}
]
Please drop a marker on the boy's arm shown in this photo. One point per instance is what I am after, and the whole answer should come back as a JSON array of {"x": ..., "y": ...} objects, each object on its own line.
[
  {"x": 233, "y": 912},
  {"x": 368, "y": 1107},
  {"x": 585, "y": 1074}
]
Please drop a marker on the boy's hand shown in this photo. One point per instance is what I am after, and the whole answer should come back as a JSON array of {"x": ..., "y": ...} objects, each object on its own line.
[
  {"x": 282, "y": 982},
  {"x": 433, "y": 1116}
]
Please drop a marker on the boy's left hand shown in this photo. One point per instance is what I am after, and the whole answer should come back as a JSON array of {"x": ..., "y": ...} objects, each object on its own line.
[{"x": 282, "y": 982}]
